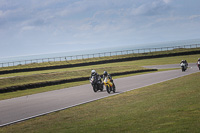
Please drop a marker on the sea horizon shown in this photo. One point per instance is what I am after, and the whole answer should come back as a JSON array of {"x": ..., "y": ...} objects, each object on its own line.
[{"x": 102, "y": 50}]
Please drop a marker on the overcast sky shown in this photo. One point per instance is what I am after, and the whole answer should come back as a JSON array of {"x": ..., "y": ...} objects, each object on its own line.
[{"x": 48, "y": 26}]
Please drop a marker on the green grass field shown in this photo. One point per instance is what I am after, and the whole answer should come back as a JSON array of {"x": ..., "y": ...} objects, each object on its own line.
[{"x": 168, "y": 107}]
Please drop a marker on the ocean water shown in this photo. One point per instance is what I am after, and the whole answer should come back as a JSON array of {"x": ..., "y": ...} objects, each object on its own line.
[{"x": 64, "y": 55}]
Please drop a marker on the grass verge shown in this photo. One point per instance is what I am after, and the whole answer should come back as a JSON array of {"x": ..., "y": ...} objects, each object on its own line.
[
  {"x": 99, "y": 60},
  {"x": 54, "y": 76},
  {"x": 171, "y": 106}
]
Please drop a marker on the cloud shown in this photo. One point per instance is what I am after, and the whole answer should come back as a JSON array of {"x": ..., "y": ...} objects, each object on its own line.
[
  {"x": 194, "y": 17},
  {"x": 25, "y": 28},
  {"x": 48, "y": 22},
  {"x": 167, "y": 1},
  {"x": 151, "y": 8},
  {"x": 1, "y": 13}
]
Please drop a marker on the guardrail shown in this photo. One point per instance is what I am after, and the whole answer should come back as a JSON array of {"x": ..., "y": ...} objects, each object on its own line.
[{"x": 104, "y": 54}]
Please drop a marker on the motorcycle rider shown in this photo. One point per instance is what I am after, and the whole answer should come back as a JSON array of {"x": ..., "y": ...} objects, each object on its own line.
[
  {"x": 185, "y": 62},
  {"x": 198, "y": 61},
  {"x": 105, "y": 74},
  {"x": 182, "y": 61},
  {"x": 94, "y": 73}
]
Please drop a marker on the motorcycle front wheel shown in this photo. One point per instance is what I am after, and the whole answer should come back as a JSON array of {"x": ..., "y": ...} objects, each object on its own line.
[
  {"x": 108, "y": 89},
  {"x": 95, "y": 88},
  {"x": 183, "y": 69}
]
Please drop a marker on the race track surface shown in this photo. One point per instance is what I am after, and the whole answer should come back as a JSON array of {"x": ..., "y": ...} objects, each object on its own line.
[{"x": 26, "y": 107}]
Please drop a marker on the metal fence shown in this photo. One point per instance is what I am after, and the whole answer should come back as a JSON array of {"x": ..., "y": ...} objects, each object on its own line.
[{"x": 95, "y": 55}]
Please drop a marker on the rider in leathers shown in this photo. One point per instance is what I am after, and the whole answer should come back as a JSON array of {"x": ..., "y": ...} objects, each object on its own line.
[
  {"x": 105, "y": 74},
  {"x": 185, "y": 62},
  {"x": 94, "y": 73}
]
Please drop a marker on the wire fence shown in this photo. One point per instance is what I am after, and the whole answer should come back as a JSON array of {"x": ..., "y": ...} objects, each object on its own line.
[{"x": 95, "y": 55}]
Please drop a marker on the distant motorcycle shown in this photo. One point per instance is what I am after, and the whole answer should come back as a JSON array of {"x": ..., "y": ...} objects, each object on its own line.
[
  {"x": 109, "y": 85},
  {"x": 96, "y": 84},
  {"x": 198, "y": 64},
  {"x": 183, "y": 67}
]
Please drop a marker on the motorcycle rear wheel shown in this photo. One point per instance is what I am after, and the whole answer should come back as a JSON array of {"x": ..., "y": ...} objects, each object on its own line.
[{"x": 114, "y": 88}]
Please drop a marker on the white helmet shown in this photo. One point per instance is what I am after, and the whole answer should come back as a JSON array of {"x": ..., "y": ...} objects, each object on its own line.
[{"x": 93, "y": 71}]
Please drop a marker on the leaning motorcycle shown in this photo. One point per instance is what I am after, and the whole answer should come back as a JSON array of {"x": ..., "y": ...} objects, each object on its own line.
[
  {"x": 183, "y": 67},
  {"x": 110, "y": 86},
  {"x": 96, "y": 83},
  {"x": 198, "y": 64}
]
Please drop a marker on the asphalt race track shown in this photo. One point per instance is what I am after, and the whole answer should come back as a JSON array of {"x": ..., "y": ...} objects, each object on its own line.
[{"x": 26, "y": 107}]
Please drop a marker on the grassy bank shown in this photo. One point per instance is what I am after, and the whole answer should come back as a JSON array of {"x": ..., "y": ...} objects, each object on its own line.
[
  {"x": 34, "y": 78},
  {"x": 171, "y": 106},
  {"x": 100, "y": 59}
]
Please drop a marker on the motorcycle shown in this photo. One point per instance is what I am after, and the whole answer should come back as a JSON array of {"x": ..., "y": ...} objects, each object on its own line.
[
  {"x": 96, "y": 83},
  {"x": 110, "y": 86},
  {"x": 183, "y": 66},
  {"x": 198, "y": 64}
]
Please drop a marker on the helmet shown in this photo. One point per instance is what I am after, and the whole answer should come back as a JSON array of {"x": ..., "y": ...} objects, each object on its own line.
[
  {"x": 105, "y": 73},
  {"x": 93, "y": 71}
]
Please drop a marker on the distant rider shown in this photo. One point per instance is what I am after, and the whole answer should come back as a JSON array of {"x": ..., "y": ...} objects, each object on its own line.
[
  {"x": 186, "y": 63},
  {"x": 198, "y": 63},
  {"x": 182, "y": 61}
]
